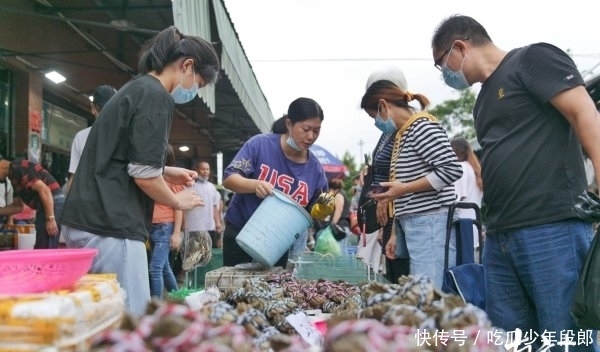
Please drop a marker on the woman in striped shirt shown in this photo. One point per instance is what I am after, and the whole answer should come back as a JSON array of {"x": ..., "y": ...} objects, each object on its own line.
[{"x": 422, "y": 172}]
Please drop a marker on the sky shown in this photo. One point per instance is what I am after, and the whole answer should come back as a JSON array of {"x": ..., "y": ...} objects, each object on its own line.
[{"x": 326, "y": 49}]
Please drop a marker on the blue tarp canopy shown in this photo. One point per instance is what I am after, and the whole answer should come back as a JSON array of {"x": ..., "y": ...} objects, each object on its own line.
[{"x": 332, "y": 166}]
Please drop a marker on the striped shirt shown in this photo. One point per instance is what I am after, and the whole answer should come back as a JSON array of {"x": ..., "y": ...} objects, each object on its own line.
[
  {"x": 24, "y": 174},
  {"x": 426, "y": 152},
  {"x": 203, "y": 218}
]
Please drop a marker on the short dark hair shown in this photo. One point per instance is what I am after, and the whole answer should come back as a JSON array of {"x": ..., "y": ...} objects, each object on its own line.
[
  {"x": 102, "y": 94},
  {"x": 459, "y": 27}
]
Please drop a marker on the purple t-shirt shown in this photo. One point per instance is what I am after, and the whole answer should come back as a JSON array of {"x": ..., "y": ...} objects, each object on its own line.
[{"x": 262, "y": 158}]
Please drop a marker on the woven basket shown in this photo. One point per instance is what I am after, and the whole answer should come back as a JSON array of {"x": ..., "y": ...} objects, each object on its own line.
[{"x": 41, "y": 270}]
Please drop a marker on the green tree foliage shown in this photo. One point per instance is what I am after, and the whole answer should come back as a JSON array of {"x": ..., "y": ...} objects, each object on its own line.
[
  {"x": 350, "y": 163},
  {"x": 457, "y": 115}
]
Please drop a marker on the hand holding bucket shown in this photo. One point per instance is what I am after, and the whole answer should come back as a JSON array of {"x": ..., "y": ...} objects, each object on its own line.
[{"x": 273, "y": 227}]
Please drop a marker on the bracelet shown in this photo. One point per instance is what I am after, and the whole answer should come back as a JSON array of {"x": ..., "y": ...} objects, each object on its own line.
[{"x": 50, "y": 218}]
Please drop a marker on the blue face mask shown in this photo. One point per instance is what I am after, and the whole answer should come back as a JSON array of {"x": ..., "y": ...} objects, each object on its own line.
[
  {"x": 292, "y": 144},
  {"x": 456, "y": 80},
  {"x": 385, "y": 126},
  {"x": 181, "y": 95}
]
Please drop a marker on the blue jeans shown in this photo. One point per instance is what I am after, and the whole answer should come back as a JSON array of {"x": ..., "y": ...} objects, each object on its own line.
[
  {"x": 126, "y": 258},
  {"x": 531, "y": 275},
  {"x": 161, "y": 275},
  {"x": 426, "y": 242}
]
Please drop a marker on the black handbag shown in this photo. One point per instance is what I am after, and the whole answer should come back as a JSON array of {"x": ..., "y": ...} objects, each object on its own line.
[
  {"x": 586, "y": 303},
  {"x": 338, "y": 232},
  {"x": 367, "y": 206}
]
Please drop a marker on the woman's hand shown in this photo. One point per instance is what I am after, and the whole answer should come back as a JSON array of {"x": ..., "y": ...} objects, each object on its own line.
[
  {"x": 382, "y": 213},
  {"x": 176, "y": 240},
  {"x": 263, "y": 189},
  {"x": 188, "y": 199},
  {"x": 179, "y": 176},
  {"x": 390, "y": 248},
  {"x": 395, "y": 190}
]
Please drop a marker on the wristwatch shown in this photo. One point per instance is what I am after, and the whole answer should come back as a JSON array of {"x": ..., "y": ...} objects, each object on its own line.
[{"x": 50, "y": 218}]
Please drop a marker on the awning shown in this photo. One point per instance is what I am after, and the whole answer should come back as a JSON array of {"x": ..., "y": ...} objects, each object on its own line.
[
  {"x": 238, "y": 69},
  {"x": 193, "y": 18}
]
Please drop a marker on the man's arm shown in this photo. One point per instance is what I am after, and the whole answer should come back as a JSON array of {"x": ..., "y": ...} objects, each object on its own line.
[
  {"x": 15, "y": 207},
  {"x": 579, "y": 109},
  {"x": 177, "y": 227},
  {"x": 48, "y": 204},
  {"x": 69, "y": 181},
  {"x": 157, "y": 189}
]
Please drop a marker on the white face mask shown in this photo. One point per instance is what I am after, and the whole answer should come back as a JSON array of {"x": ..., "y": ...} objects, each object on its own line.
[{"x": 181, "y": 95}]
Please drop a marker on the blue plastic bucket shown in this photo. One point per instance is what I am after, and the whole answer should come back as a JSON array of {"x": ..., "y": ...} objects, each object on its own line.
[{"x": 273, "y": 227}]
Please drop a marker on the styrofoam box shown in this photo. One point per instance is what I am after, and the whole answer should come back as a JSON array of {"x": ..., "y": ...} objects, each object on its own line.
[{"x": 231, "y": 277}]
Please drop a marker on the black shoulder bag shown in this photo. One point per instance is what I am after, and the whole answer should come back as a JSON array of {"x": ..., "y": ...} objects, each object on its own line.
[{"x": 367, "y": 206}]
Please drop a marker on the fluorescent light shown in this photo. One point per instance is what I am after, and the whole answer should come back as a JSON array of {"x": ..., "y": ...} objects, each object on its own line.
[
  {"x": 55, "y": 77},
  {"x": 184, "y": 148}
]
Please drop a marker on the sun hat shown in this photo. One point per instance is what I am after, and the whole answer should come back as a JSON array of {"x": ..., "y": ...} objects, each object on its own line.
[{"x": 390, "y": 73}]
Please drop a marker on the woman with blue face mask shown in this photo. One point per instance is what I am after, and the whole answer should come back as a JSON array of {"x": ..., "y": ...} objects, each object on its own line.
[
  {"x": 122, "y": 168},
  {"x": 280, "y": 160},
  {"x": 423, "y": 168}
]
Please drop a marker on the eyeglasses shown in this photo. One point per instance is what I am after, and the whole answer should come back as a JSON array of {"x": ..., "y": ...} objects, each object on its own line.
[{"x": 437, "y": 63}]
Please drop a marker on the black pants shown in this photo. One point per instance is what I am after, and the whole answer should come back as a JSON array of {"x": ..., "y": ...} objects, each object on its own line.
[
  {"x": 233, "y": 254},
  {"x": 395, "y": 268},
  {"x": 215, "y": 237}
]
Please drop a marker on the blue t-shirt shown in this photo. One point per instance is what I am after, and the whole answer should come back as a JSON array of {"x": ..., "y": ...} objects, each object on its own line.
[{"x": 262, "y": 158}]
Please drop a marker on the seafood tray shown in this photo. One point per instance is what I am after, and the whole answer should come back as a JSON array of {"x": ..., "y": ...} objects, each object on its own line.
[{"x": 233, "y": 276}]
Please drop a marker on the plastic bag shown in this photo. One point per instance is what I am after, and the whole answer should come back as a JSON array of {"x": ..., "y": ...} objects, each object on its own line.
[
  {"x": 586, "y": 305},
  {"x": 326, "y": 243}
]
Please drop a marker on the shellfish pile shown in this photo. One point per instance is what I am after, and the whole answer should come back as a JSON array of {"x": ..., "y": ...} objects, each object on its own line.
[{"x": 409, "y": 316}]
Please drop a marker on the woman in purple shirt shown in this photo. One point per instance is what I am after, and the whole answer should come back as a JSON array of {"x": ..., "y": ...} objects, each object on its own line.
[{"x": 279, "y": 160}]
